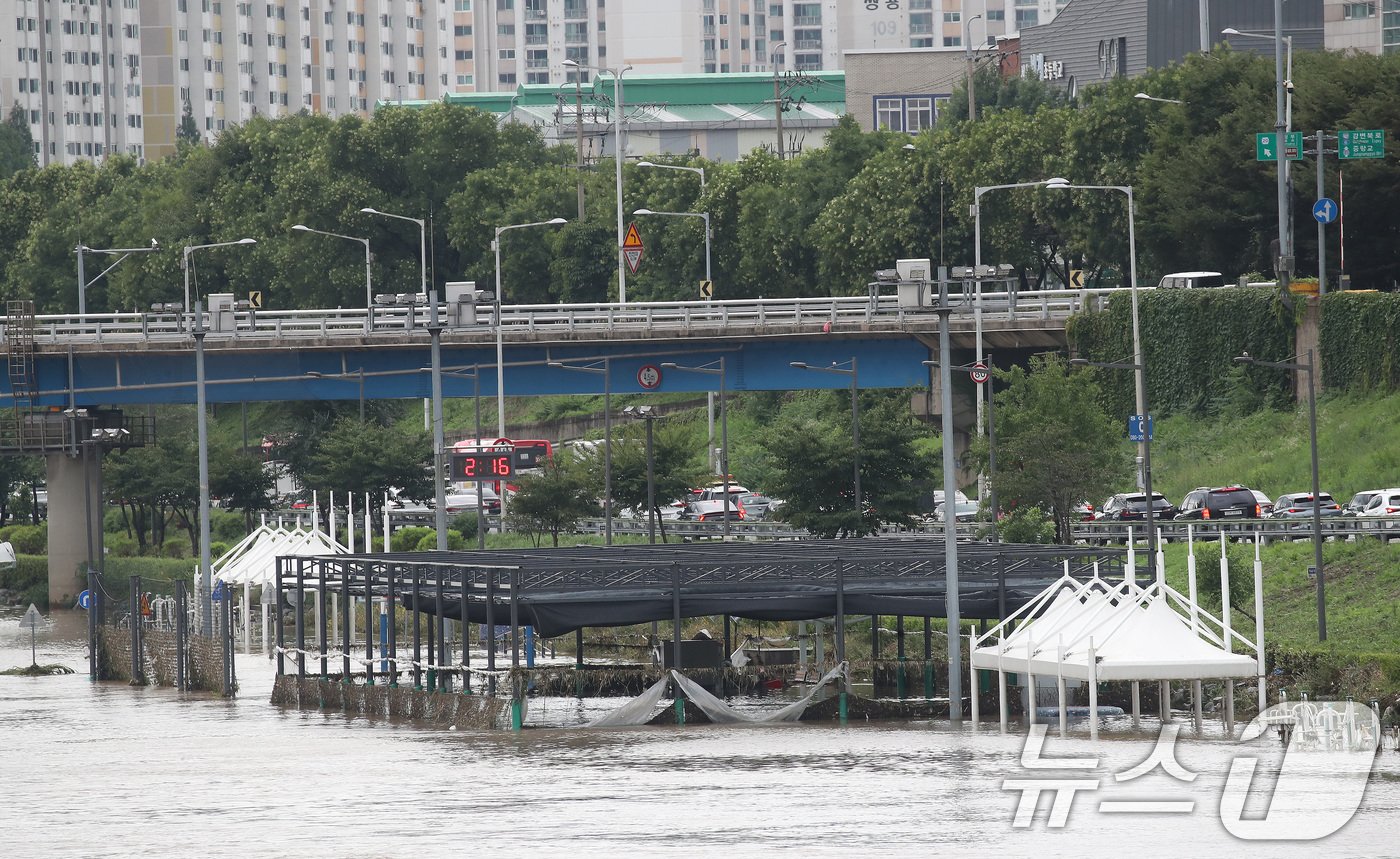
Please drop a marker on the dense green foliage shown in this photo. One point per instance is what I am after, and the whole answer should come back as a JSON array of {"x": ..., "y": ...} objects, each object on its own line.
[
  {"x": 1056, "y": 446},
  {"x": 1189, "y": 339},
  {"x": 818, "y": 224},
  {"x": 1360, "y": 342}
]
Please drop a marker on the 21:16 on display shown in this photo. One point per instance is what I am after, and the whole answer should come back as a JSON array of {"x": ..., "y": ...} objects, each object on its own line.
[{"x": 481, "y": 466}]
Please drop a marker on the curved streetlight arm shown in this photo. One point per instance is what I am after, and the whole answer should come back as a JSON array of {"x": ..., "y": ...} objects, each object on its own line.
[
  {"x": 700, "y": 170},
  {"x": 189, "y": 249}
]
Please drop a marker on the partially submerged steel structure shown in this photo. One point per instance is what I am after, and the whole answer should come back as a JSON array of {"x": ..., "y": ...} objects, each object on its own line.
[{"x": 557, "y": 591}]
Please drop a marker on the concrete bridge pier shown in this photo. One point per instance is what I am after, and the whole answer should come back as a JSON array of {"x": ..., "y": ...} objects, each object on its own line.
[
  {"x": 928, "y": 406},
  {"x": 75, "y": 489}
]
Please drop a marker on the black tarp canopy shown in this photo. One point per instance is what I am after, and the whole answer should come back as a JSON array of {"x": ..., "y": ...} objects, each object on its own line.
[{"x": 560, "y": 590}]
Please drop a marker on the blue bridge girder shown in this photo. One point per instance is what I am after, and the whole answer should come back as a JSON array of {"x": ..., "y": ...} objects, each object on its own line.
[{"x": 131, "y": 359}]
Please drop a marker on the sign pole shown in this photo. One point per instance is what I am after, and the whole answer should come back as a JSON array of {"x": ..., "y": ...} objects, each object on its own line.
[{"x": 1321, "y": 227}]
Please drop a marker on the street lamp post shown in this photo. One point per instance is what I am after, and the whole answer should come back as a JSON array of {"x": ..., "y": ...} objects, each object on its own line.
[
  {"x": 709, "y": 395},
  {"x": 971, "y": 68},
  {"x": 1139, "y": 362},
  {"x": 704, "y": 215},
  {"x": 84, "y": 283},
  {"x": 699, "y": 170},
  {"x": 648, "y": 414},
  {"x": 707, "y": 370},
  {"x": 617, "y": 159},
  {"x": 1283, "y": 122},
  {"x": 205, "y": 592},
  {"x": 991, "y": 440},
  {"x": 369, "y": 287},
  {"x": 422, "y": 241},
  {"x": 500, "y": 344},
  {"x": 977, "y": 263},
  {"x": 1145, "y": 97},
  {"x": 1146, "y": 447},
  {"x": 606, "y": 372},
  {"x": 854, "y": 374},
  {"x": 475, "y": 376},
  {"x": 358, "y": 375},
  {"x": 1310, "y": 368},
  {"x": 185, "y": 261}
]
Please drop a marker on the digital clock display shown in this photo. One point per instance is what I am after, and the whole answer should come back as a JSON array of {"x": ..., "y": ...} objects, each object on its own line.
[{"x": 482, "y": 466}]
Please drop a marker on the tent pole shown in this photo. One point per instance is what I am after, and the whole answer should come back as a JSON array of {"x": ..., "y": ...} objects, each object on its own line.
[
  {"x": 1030, "y": 684},
  {"x": 1259, "y": 625},
  {"x": 369, "y": 628},
  {"x": 1225, "y": 619},
  {"x": 1094, "y": 689},
  {"x": 1196, "y": 693},
  {"x": 1060, "y": 685},
  {"x": 841, "y": 640},
  {"x": 972, "y": 672},
  {"x": 1164, "y": 701},
  {"x": 1001, "y": 698},
  {"x": 1137, "y": 703}
]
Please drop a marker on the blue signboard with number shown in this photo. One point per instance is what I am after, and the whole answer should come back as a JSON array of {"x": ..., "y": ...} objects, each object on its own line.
[{"x": 1135, "y": 427}]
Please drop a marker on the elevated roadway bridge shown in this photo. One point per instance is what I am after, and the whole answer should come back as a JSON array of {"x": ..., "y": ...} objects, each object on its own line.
[
  {"x": 383, "y": 353},
  {"x": 70, "y": 378}
]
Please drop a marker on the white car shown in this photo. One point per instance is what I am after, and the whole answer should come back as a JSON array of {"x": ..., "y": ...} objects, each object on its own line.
[
  {"x": 464, "y": 501},
  {"x": 1385, "y": 503}
]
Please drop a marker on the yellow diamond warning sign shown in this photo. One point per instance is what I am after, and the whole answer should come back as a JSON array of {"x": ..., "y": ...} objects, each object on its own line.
[{"x": 632, "y": 248}]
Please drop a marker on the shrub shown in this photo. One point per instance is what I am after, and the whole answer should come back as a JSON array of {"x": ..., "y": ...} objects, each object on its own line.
[
  {"x": 407, "y": 539},
  {"x": 1028, "y": 525},
  {"x": 175, "y": 547},
  {"x": 27, "y": 539},
  {"x": 428, "y": 543}
]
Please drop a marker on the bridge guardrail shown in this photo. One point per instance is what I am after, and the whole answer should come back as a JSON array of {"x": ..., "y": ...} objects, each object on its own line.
[
  {"x": 1338, "y": 527},
  {"x": 535, "y": 318}
]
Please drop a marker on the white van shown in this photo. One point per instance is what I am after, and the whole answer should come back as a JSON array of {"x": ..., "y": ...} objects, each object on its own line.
[{"x": 1191, "y": 280}]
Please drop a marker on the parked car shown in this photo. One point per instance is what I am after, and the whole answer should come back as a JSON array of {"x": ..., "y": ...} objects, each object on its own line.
[
  {"x": 1299, "y": 505},
  {"x": 1132, "y": 507},
  {"x": 964, "y": 511},
  {"x": 1265, "y": 505},
  {"x": 1359, "y": 501},
  {"x": 755, "y": 506},
  {"x": 712, "y": 511},
  {"x": 1222, "y": 502},
  {"x": 1191, "y": 280},
  {"x": 1386, "y": 503},
  {"x": 465, "y": 501}
]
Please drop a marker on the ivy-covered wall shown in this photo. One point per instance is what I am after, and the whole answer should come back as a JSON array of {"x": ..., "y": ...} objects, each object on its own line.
[
  {"x": 1189, "y": 339},
  {"x": 1359, "y": 335}
]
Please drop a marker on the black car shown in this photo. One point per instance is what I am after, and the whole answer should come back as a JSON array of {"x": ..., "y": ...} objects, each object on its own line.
[
  {"x": 1222, "y": 502},
  {"x": 1132, "y": 507}
]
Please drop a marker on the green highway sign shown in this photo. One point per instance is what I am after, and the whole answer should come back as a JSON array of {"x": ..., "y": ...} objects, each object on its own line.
[
  {"x": 1264, "y": 146},
  {"x": 1361, "y": 144}
]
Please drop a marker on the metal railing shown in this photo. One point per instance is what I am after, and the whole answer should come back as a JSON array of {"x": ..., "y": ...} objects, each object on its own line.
[
  {"x": 663, "y": 316},
  {"x": 1270, "y": 530}
]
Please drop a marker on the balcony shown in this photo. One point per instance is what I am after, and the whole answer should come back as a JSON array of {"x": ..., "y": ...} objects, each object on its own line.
[
  {"x": 537, "y": 64},
  {"x": 536, "y": 38},
  {"x": 807, "y": 21},
  {"x": 808, "y": 45}
]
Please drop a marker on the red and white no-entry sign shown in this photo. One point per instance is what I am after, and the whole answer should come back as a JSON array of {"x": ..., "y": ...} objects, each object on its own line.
[{"x": 979, "y": 373}]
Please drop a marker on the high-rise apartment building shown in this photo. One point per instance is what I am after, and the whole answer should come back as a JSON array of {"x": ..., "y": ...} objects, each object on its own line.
[{"x": 102, "y": 76}]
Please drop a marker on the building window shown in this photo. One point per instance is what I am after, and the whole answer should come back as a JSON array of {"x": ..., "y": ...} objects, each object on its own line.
[
  {"x": 1356, "y": 11},
  {"x": 952, "y": 17},
  {"x": 888, "y": 114},
  {"x": 918, "y": 114},
  {"x": 952, "y": 41},
  {"x": 996, "y": 14}
]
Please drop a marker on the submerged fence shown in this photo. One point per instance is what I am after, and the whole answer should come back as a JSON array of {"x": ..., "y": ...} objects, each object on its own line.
[{"x": 146, "y": 637}]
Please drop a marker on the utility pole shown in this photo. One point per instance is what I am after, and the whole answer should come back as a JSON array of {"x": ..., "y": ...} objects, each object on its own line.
[
  {"x": 777, "y": 99},
  {"x": 971, "y": 68},
  {"x": 578, "y": 128}
]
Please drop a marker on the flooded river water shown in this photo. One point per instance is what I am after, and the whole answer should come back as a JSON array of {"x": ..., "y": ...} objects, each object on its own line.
[{"x": 109, "y": 770}]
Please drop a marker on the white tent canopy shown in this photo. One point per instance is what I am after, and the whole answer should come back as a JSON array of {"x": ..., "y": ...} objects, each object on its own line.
[
  {"x": 1094, "y": 632},
  {"x": 1134, "y": 631},
  {"x": 253, "y": 561}
]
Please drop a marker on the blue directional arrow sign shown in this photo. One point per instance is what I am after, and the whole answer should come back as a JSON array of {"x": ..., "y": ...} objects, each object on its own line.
[{"x": 1325, "y": 210}]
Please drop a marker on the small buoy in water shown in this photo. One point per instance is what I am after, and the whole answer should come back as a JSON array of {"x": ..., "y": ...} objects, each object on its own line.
[{"x": 774, "y": 684}]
